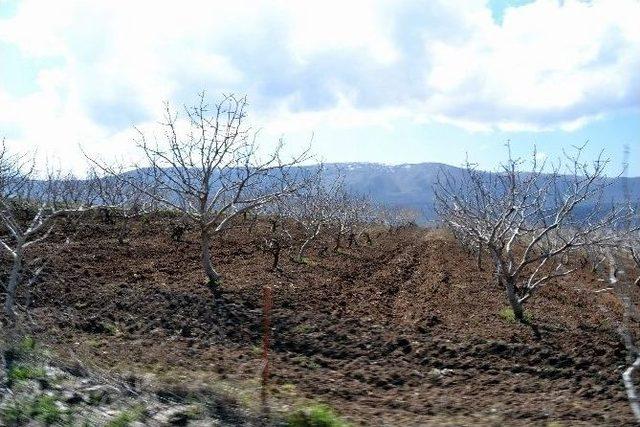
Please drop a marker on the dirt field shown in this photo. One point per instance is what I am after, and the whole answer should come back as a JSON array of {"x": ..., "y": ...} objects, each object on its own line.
[{"x": 403, "y": 332}]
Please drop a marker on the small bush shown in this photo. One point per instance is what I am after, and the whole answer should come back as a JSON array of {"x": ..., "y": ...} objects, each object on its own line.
[
  {"x": 508, "y": 315},
  {"x": 315, "y": 416}
]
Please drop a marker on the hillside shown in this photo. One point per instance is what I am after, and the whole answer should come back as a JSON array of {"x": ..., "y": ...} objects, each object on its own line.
[{"x": 405, "y": 331}]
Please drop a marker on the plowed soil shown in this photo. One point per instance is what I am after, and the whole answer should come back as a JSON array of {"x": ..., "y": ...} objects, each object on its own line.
[{"x": 404, "y": 331}]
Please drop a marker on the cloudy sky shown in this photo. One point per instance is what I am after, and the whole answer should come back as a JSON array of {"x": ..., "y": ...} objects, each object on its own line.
[{"x": 377, "y": 81}]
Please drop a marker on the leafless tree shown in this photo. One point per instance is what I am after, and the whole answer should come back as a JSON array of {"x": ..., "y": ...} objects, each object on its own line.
[
  {"x": 28, "y": 211},
  {"x": 623, "y": 276},
  {"x": 529, "y": 221},
  {"x": 278, "y": 235},
  {"x": 314, "y": 207},
  {"x": 353, "y": 214},
  {"x": 119, "y": 199},
  {"x": 397, "y": 217},
  {"x": 631, "y": 316},
  {"x": 209, "y": 167}
]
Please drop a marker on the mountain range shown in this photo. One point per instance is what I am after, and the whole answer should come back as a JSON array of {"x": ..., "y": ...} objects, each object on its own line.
[{"x": 411, "y": 185}]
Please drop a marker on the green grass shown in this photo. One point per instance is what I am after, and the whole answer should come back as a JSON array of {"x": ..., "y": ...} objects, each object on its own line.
[
  {"x": 308, "y": 261},
  {"x": 315, "y": 416},
  {"x": 24, "y": 349},
  {"x": 256, "y": 350},
  {"x": 24, "y": 372},
  {"x": 508, "y": 315},
  {"x": 14, "y": 414},
  {"x": 215, "y": 284},
  {"x": 43, "y": 408},
  {"x": 110, "y": 328},
  {"x": 303, "y": 328},
  {"x": 28, "y": 344},
  {"x": 126, "y": 418}
]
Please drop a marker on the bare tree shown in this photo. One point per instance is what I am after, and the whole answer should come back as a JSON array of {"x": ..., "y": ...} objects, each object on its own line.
[
  {"x": 631, "y": 315},
  {"x": 119, "y": 199},
  {"x": 397, "y": 217},
  {"x": 353, "y": 214},
  {"x": 28, "y": 211},
  {"x": 529, "y": 221},
  {"x": 314, "y": 207},
  {"x": 209, "y": 167},
  {"x": 278, "y": 236},
  {"x": 623, "y": 275}
]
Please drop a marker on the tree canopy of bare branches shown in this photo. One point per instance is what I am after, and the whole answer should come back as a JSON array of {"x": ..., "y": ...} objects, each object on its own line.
[
  {"x": 28, "y": 211},
  {"x": 622, "y": 272},
  {"x": 529, "y": 216},
  {"x": 315, "y": 207},
  {"x": 208, "y": 165}
]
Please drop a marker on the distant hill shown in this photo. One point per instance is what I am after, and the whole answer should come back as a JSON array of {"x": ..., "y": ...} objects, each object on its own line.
[{"x": 411, "y": 185}]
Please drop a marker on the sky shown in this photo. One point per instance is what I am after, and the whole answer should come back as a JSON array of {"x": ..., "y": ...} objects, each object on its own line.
[{"x": 368, "y": 81}]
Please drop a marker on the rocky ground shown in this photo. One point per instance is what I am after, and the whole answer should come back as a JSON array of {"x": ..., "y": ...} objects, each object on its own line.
[
  {"x": 37, "y": 389},
  {"x": 405, "y": 331}
]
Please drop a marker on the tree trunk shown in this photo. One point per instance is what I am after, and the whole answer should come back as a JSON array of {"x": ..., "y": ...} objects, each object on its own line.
[
  {"x": 303, "y": 248},
  {"x": 627, "y": 377},
  {"x": 516, "y": 305},
  {"x": 338, "y": 241},
  {"x": 306, "y": 243},
  {"x": 12, "y": 286},
  {"x": 276, "y": 254},
  {"x": 211, "y": 273},
  {"x": 252, "y": 224},
  {"x": 352, "y": 240},
  {"x": 479, "y": 260},
  {"x": 368, "y": 237}
]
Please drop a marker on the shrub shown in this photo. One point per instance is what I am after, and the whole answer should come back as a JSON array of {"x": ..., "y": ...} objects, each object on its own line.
[{"x": 508, "y": 315}]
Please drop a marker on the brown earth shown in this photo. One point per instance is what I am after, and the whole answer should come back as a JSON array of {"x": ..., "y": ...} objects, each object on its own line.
[{"x": 403, "y": 332}]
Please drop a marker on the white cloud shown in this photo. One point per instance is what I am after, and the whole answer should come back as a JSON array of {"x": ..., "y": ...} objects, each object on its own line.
[
  {"x": 316, "y": 65},
  {"x": 549, "y": 64}
]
